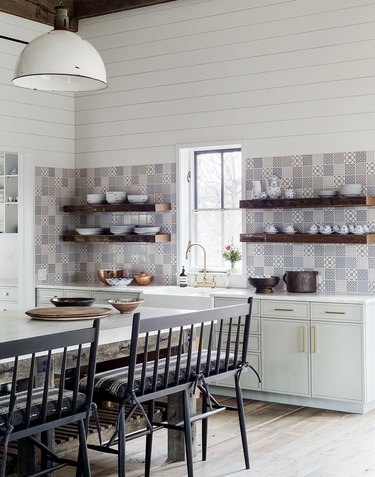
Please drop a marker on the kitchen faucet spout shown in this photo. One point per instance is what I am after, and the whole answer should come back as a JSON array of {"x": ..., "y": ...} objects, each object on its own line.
[{"x": 204, "y": 281}]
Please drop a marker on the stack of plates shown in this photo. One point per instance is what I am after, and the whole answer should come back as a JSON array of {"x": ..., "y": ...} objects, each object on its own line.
[
  {"x": 121, "y": 229},
  {"x": 147, "y": 230},
  {"x": 327, "y": 193},
  {"x": 91, "y": 231}
]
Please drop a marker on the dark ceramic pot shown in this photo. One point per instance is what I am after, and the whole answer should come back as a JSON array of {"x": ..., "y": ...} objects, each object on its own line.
[{"x": 300, "y": 282}]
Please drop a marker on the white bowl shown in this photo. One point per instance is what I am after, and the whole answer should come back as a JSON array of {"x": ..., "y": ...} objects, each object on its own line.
[
  {"x": 351, "y": 188},
  {"x": 146, "y": 230},
  {"x": 121, "y": 229},
  {"x": 114, "y": 197},
  {"x": 119, "y": 282},
  {"x": 95, "y": 198},
  {"x": 137, "y": 199},
  {"x": 327, "y": 193},
  {"x": 90, "y": 231}
]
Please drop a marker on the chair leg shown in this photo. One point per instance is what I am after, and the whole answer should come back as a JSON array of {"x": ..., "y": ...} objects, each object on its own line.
[
  {"x": 83, "y": 467},
  {"x": 241, "y": 417},
  {"x": 204, "y": 427},
  {"x": 121, "y": 442},
  {"x": 149, "y": 437},
  {"x": 188, "y": 433}
]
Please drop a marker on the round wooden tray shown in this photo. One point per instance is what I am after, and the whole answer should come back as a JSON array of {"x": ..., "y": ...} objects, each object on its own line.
[{"x": 68, "y": 313}]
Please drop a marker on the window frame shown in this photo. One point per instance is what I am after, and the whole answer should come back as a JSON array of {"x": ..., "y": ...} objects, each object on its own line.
[{"x": 186, "y": 199}]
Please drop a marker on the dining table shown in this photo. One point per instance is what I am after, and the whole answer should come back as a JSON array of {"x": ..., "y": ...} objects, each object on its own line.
[{"x": 114, "y": 343}]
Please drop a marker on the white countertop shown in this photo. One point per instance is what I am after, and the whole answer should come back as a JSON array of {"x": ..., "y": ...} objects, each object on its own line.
[
  {"x": 113, "y": 328},
  {"x": 219, "y": 292}
]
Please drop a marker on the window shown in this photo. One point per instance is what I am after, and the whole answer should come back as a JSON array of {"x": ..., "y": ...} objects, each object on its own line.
[{"x": 212, "y": 181}]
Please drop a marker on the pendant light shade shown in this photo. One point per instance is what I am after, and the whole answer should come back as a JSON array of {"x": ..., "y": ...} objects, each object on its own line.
[{"x": 60, "y": 61}]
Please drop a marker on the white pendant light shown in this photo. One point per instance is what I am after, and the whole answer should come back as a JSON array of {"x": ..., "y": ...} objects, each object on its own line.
[{"x": 60, "y": 61}]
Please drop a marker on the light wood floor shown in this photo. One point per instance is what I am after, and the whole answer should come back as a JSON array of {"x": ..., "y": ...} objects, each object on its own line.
[{"x": 285, "y": 441}]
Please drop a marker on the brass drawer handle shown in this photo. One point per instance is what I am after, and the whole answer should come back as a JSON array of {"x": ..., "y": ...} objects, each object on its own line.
[
  {"x": 335, "y": 312},
  {"x": 283, "y": 309}
]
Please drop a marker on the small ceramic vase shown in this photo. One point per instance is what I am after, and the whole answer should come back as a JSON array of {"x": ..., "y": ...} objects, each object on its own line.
[
  {"x": 270, "y": 229},
  {"x": 289, "y": 193}
]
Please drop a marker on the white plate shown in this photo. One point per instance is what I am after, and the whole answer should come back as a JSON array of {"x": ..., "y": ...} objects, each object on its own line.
[
  {"x": 145, "y": 230},
  {"x": 91, "y": 231},
  {"x": 350, "y": 195},
  {"x": 327, "y": 193}
]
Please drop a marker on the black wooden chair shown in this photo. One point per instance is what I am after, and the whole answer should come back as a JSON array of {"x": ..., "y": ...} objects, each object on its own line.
[
  {"x": 181, "y": 367},
  {"x": 51, "y": 397}
]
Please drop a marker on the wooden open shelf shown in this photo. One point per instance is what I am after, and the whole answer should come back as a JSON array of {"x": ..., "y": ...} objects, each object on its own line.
[
  {"x": 158, "y": 238},
  {"x": 307, "y": 238},
  {"x": 313, "y": 202},
  {"x": 91, "y": 208}
]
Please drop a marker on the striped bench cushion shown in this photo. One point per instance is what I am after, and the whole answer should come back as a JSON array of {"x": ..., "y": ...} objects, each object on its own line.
[
  {"x": 113, "y": 383},
  {"x": 19, "y": 416}
]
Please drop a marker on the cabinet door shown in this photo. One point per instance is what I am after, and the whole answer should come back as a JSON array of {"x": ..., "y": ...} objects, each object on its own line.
[
  {"x": 285, "y": 356},
  {"x": 336, "y": 353}
]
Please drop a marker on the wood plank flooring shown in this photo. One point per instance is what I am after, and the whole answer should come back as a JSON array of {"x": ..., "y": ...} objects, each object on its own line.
[{"x": 284, "y": 440}]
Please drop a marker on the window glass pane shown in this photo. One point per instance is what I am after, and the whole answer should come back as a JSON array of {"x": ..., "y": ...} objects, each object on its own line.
[
  {"x": 232, "y": 179},
  {"x": 208, "y": 233},
  {"x": 208, "y": 180},
  {"x": 214, "y": 230}
]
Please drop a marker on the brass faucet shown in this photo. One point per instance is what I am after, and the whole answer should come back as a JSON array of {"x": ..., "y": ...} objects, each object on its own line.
[{"x": 204, "y": 282}]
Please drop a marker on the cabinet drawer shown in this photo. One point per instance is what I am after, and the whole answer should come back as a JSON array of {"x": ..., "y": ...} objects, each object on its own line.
[
  {"x": 336, "y": 312},
  {"x": 44, "y": 295},
  {"x": 224, "y": 301},
  {"x": 77, "y": 293},
  {"x": 102, "y": 297},
  {"x": 286, "y": 309},
  {"x": 8, "y": 293}
]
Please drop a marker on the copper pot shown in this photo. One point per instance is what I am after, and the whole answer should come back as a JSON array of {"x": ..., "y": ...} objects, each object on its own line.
[{"x": 300, "y": 282}]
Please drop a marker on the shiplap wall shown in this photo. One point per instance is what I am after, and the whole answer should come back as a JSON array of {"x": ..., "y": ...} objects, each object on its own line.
[
  {"x": 286, "y": 76},
  {"x": 38, "y": 123}
]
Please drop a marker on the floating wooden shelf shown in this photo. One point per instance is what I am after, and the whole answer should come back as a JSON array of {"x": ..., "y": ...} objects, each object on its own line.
[
  {"x": 158, "y": 238},
  {"x": 307, "y": 238},
  {"x": 90, "y": 208},
  {"x": 313, "y": 202}
]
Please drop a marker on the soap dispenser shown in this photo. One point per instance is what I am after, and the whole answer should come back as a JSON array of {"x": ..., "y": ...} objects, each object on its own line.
[{"x": 183, "y": 278}]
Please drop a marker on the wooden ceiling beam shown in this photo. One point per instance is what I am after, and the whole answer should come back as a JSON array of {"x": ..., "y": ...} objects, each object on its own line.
[
  {"x": 41, "y": 11},
  {"x": 94, "y": 8}
]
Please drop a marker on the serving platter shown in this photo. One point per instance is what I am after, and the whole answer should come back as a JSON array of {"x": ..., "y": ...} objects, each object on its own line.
[{"x": 68, "y": 313}]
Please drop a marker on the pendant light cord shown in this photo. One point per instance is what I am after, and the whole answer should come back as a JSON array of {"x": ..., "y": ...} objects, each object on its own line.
[{"x": 16, "y": 40}]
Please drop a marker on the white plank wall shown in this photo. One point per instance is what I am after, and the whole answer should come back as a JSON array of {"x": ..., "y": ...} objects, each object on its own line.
[
  {"x": 285, "y": 76},
  {"x": 37, "y": 123}
]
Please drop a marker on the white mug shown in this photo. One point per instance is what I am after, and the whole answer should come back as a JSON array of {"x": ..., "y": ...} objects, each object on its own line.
[{"x": 257, "y": 189}]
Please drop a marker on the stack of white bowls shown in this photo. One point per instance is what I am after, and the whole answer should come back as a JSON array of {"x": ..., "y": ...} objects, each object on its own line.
[
  {"x": 351, "y": 190},
  {"x": 115, "y": 197},
  {"x": 95, "y": 198}
]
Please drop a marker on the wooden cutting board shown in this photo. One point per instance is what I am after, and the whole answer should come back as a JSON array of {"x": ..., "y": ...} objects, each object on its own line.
[{"x": 68, "y": 313}]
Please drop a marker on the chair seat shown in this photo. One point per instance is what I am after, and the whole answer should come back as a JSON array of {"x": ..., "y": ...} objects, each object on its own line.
[
  {"x": 19, "y": 415},
  {"x": 113, "y": 383}
]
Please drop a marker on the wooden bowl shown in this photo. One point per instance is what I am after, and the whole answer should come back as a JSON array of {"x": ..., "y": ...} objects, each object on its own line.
[
  {"x": 104, "y": 273},
  {"x": 73, "y": 301},
  {"x": 143, "y": 280},
  {"x": 264, "y": 285},
  {"x": 125, "y": 306}
]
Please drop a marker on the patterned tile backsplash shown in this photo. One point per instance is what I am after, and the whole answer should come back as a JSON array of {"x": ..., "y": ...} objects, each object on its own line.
[
  {"x": 342, "y": 268},
  {"x": 65, "y": 261}
]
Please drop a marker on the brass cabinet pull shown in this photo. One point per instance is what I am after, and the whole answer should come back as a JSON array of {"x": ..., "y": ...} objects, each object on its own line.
[
  {"x": 303, "y": 339},
  {"x": 283, "y": 309},
  {"x": 335, "y": 312},
  {"x": 315, "y": 347}
]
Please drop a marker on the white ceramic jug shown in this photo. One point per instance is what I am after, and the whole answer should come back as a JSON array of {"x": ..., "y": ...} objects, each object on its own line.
[
  {"x": 257, "y": 189},
  {"x": 273, "y": 187}
]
